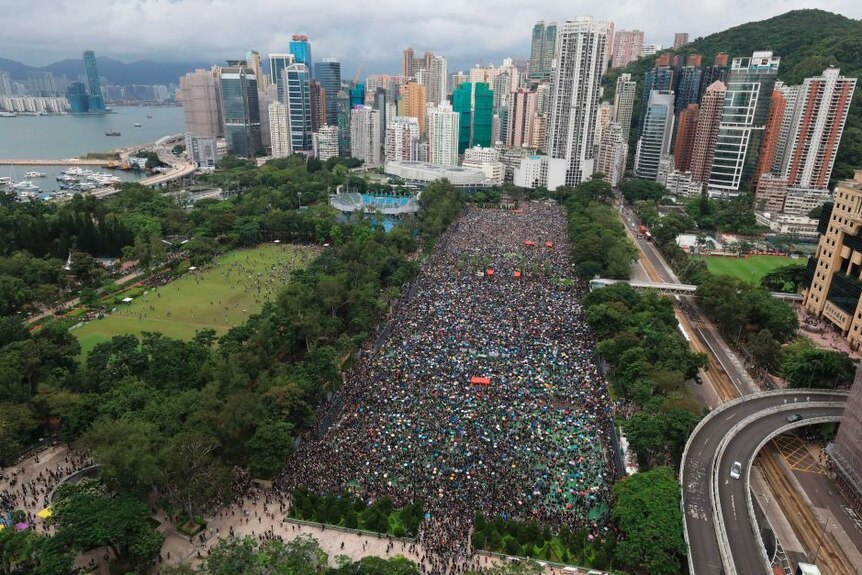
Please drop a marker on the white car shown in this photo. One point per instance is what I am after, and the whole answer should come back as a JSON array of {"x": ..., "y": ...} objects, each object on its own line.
[{"x": 735, "y": 470}]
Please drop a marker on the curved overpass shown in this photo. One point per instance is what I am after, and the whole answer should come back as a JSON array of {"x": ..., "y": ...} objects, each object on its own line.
[{"x": 717, "y": 510}]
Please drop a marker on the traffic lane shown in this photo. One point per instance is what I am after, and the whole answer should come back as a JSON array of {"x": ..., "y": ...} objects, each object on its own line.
[{"x": 732, "y": 492}]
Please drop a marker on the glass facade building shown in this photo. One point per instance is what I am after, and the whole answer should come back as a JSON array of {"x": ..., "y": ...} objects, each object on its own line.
[
  {"x": 656, "y": 135},
  {"x": 301, "y": 50},
  {"x": 277, "y": 64},
  {"x": 96, "y": 100},
  {"x": 298, "y": 100},
  {"x": 328, "y": 73},
  {"x": 343, "y": 121},
  {"x": 240, "y": 111},
  {"x": 357, "y": 95},
  {"x": 76, "y": 93}
]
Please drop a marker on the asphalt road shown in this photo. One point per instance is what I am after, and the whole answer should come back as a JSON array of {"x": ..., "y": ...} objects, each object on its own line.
[{"x": 698, "y": 472}]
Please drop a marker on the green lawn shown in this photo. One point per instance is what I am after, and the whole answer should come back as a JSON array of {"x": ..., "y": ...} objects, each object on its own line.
[
  {"x": 233, "y": 287},
  {"x": 749, "y": 269}
]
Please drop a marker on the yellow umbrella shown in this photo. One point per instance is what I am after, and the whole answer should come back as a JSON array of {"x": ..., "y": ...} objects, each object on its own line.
[
  {"x": 45, "y": 513},
  {"x": 2, "y": 527}
]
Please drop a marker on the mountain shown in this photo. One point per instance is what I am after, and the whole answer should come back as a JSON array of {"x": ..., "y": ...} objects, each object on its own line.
[
  {"x": 808, "y": 41},
  {"x": 114, "y": 71}
]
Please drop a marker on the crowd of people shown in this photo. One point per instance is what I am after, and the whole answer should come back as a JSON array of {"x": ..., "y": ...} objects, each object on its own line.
[{"x": 484, "y": 394}]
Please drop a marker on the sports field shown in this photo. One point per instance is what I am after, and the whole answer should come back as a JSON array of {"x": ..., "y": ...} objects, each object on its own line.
[
  {"x": 749, "y": 269},
  {"x": 223, "y": 295}
]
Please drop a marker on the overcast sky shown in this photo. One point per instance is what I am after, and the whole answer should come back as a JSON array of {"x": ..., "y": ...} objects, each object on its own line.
[{"x": 372, "y": 32}]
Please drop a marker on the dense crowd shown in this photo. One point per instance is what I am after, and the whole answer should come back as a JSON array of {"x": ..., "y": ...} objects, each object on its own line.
[{"x": 483, "y": 395}]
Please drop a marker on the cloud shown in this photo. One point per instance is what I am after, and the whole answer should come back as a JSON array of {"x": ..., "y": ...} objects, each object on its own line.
[{"x": 355, "y": 32}]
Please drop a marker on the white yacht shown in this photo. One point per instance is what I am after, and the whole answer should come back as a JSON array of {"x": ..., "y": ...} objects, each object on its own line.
[
  {"x": 5, "y": 181},
  {"x": 25, "y": 186},
  {"x": 34, "y": 175}
]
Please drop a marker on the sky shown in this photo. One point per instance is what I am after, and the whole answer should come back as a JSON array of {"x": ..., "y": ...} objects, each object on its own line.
[{"x": 370, "y": 33}]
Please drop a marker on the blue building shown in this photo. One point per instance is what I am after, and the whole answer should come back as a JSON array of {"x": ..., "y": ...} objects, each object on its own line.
[
  {"x": 79, "y": 103},
  {"x": 96, "y": 100},
  {"x": 301, "y": 50},
  {"x": 240, "y": 110},
  {"x": 297, "y": 96},
  {"x": 328, "y": 73},
  {"x": 357, "y": 95}
]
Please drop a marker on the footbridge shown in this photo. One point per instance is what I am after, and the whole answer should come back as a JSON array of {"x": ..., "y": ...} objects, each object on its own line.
[{"x": 674, "y": 288}]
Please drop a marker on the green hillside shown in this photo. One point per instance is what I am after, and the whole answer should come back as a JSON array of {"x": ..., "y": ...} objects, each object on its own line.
[{"x": 808, "y": 42}]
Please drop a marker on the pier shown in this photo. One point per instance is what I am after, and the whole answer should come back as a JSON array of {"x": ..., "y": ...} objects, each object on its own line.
[{"x": 65, "y": 162}]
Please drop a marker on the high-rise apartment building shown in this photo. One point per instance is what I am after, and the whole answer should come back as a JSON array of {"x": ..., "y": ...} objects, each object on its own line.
[
  {"x": 624, "y": 102},
  {"x": 771, "y": 137},
  {"x": 706, "y": 135},
  {"x": 301, "y": 49},
  {"x": 199, "y": 94},
  {"x": 95, "y": 100},
  {"x": 437, "y": 84},
  {"x": 442, "y": 130},
  {"x": 611, "y": 160},
  {"x": 389, "y": 82},
  {"x": 680, "y": 39},
  {"x": 326, "y": 143},
  {"x": 408, "y": 61},
  {"x": 240, "y": 109},
  {"x": 328, "y": 73},
  {"x": 266, "y": 96},
  {"x": 413, "y": 103},
  {"x": 656, "y": 134},
  {"x": 474, "y": 102},
  {"x": 818, "y": 124},
  {"x": 318, "y": 106},
  {"x": 542, "y": 49},
  {"x": 717, "y": 72},
  {"x": 297, "y": 94},
  {"x": 749, "y": 87},
  {"x": 5, "y": 84},
  {"x": 402, "y": 139},
  {"x": 770, "y": 193},
  {"x": 651, "y": 50},
  {"x": 365, "y": 135},
  {"x": 252, "y": 60},
  {"x": 277, "y": 64},
  {"x": 687, "y": 90},
  {"x": 628, "y": 45},
  {"x": 604, "y": 116},
  {"x": 522, "y": 114},
  {"x": 575, "y": 86},
  {"x": 506, "y": 81},
  {"x": 661, "y": 77},
  {"x": 685, "y": 134},
  {"x": 279, "y": 130}
]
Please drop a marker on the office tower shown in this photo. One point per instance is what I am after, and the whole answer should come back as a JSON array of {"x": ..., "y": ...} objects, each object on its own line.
[
  {"x": 252, "y": 58},
  {"x": 380, "y": 105},
  {"x": 611, "y": 160},
  {"x": 240, "y": 110},
  {"x": 297, "y": 94},
  {"x": 408, "y": 64},
  {"x": 277, "y": 64},
  {"x": 402, "y": 139},
  {"x": 661, "y": 77},
  {"x": 706, "y": 135},
  {"x": 624, "y": 101},
  {"x": 575, "y": 87},
  {"x": 656, "y": 134},
  {"x": 438, "y": 80},
  {"x": 94, "y": 84},
  {"x": 749, "y": 87},
  {"x": 522, "y": 114},
  {"x": 687, "y": 88},
  {"x": 818, "y": 123},
  {"x": 627, "y": 47},
  {"x": 413, "y": 103},
  {"x": 76, "y": 94},
  {"x": 542, "y": 50},
  {"x": 365, "y": 135},
  {"x": 199, "y": 93},
  {"x": 357, "y": 95},
  {"x": 685, "y": 133},
  {"x": 326, "y": 143},
  {"x": 650, "y": 50},
  {"x": 680, "y": 39},
  {"x": 301, "y": 49},
  {"x": 442, "y": 133},
  {"x": 328, "y": 73},
  {"x": 318, "y": 106},
  {"x": 279, "y": 130},
  {"x": 771, "y": 136},
  {"x": 474, "y": 102},
  {"x": 266, "y": 96},
  {"x": 343, "y": 121}
]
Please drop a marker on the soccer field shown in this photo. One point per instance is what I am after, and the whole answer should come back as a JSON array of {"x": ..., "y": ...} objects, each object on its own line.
[
  {"x": 219, "y": 297},
  {"x": 749, "y": 269}
]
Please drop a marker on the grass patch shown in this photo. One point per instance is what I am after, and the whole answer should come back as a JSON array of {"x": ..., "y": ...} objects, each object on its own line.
[
  {"x": 233, "y": 287},
  {"x": 749, "y": 269}
]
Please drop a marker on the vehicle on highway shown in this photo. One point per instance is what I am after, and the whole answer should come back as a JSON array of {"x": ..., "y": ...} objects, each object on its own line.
[
  {"x": 735, "y": 470},
  {"x": 793, "y": 418}
]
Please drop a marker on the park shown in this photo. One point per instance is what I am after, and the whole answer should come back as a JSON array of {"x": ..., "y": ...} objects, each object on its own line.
[{"x": 749, "y": 269}]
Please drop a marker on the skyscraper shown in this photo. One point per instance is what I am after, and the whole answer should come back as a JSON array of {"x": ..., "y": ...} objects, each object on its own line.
[
  {"x": 771, "y": 136},
  {"x": 575, "y": 85},
  {"x": 522, "y": 114},
  {"x": 717, "y": 72},
  {"x": 199, "y": 94},
  {"x": 438, "y": 80},
  {"x": 542, "y": 49},
  {"x": 343, "y": 121},
  {"x": 297, "y": 80},
  {"x": 365, "y": 135},
  {"x": 266, "y": 96},
  {"x": 685, "y": 132},
  {"x": 76, "y": 94},
  {"x": 408, "y": 58},
  {"x": 656, "y": 134},
  {"x": 611, "y": 160},
  {"x": 252, "y": 58},
  {"x": 301, "y": 49},
  {"x": 680, "y": 39},
  {"x": 402, "y": 139},
  {"x": 380, "y": 106},
  {"x": 627, "y": 47},
  {"x": 624, "y": 102},
  {"x": 705, "y": 137},
  {"x": 687, "y": 88},
  {"x": 749, "y": 87},
  {"x": 328, "y": 73},
  {"x": 240, "y": 110},
  {"x": 279, "y": 130},
  {"x": 96, "y": 102},
  {"x": 443, "y": 135},
  {"x": 318, "y": 106},
  {"x": 818, "y": 124},
  {"x": 474, "y": 102},
  {"x": 357, "y": 95},
  {"x": 661, "y": 77},
  {"x": 413, "y": 103},
  {"x": 277, "y": 64}
]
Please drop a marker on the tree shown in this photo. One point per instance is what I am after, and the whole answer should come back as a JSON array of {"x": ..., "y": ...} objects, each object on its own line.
[
  {"x": 13, "y": 294},
  {"x": 127, "y": 453},
  {"x": 269, "y": 448},
  {"x": 784, "y": 279},
  {"x": 804, "y": 366},
  {"x": 766, "y": 350},
  {"x": 194, "y": 477},
  {"x": 89, "y": 297},
  {"x": 648, "y": 514}
]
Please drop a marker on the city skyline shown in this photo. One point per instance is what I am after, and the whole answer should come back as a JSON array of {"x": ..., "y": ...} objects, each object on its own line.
[{"x": 465, "y": 33}]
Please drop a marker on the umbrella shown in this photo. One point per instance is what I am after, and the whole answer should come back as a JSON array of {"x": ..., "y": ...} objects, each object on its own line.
[
  {"x": 45, "y": 513},
  {"x": 21, "y": 526}
]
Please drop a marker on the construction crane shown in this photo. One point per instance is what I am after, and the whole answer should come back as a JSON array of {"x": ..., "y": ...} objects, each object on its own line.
[{"x": 358, "y": 72}]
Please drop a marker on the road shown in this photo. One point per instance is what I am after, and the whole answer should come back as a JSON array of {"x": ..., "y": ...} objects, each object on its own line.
[{"x": 698, "y": 469}]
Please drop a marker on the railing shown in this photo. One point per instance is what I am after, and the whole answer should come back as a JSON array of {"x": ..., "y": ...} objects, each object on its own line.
[{"x": 363, "y": 532}]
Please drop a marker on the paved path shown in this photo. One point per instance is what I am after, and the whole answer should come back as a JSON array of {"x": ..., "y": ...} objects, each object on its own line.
[{"x": 75, "y": 301}]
